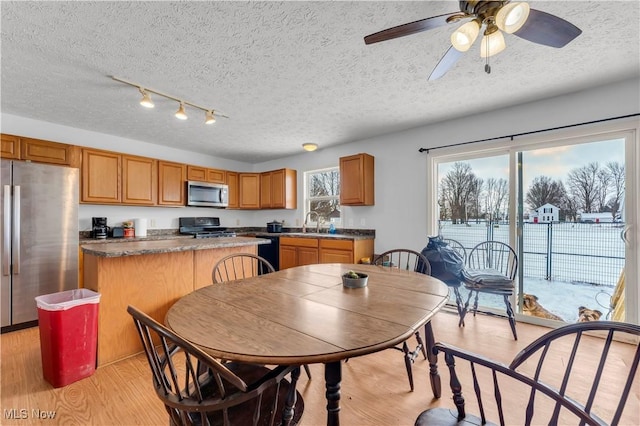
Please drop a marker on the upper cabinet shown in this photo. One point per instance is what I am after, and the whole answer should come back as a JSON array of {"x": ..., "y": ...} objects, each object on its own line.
[
  {"x": 171, "y": 183},
  {"x": 278, "y": 189},
  {"x": 139, "y": 180},
  {"x": 101, "y": 174},
  {"x": 112, "y": 178},
  {"x": 203, "y": 174},
  {"x": 249, "y": 190},
  {"x": 357, "y": 180},
  {"x": 20, "y": 148},
  {"x": 10, "y": 147},
  {"x": 234, "y": 190}
]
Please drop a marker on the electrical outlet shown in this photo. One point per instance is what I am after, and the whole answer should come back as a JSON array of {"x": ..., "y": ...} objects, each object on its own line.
[
  {"x": 297, "y": 222},
  {"x": 363, "y": 222},
  {"x": 152, "y": 223},
  {"x": 237, "y": 222}
]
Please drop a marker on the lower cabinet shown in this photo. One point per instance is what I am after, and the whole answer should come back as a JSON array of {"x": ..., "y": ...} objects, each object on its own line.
[
  {"x": 305, "y": 251},
  {"x": 298, "y": 251}
]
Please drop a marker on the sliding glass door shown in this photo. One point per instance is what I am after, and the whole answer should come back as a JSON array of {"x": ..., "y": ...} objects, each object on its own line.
[{"x": 565, "y": 204}]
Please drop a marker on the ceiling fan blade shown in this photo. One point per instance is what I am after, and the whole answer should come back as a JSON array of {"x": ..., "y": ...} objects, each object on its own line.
[
  {"x": 446, "y": 63},
  {"x": 549, "y": 30},
  {"x": 410, "y": 28}
]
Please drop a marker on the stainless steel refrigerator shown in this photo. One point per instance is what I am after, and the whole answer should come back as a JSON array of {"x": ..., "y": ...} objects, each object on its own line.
[{"x": 39, "y": 234}]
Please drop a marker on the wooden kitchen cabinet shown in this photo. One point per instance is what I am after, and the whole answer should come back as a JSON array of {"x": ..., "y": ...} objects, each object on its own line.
[
  {"x": 139, "y": 180},
  {"x": 357, "y": 180},
  {"x": 232, "y": 183},
  {"x": 101, "y": 177},
  {"x": 345, "y": 251},
  {"x": 279, "y": 189},
  {"x": 298, "y": 251},
  {"x": 10, "y": 149},
  {"x": 203, "y": 174},
  {"x": 249, "y": 190},
  {"x": 171, "y": 183}
]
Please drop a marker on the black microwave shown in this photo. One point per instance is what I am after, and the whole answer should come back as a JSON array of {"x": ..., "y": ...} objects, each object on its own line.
[{"x": 205, "y": 194}]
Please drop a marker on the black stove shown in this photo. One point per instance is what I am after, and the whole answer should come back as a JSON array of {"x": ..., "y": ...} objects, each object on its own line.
[{"x": 203, "y": 227}]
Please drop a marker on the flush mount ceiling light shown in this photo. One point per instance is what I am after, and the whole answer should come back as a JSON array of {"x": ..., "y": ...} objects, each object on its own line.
[
  {"x": 210, "y": 113},
  {"x": 309, "y": 146}
]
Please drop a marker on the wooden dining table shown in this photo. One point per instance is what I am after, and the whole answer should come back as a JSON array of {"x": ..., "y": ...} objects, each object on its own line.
[{"x": 305, "y": 315}]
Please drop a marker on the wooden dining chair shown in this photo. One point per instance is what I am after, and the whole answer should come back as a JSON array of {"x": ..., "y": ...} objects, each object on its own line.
[
  {"x": 196, "y": 389},
  {"x": 570, "y": 375},
  {"x": 491, "y": 268},
  {"x": 243, "y": 265},
  {"x": 240, "y": 265},
  {"x": 412, "y": 261}
]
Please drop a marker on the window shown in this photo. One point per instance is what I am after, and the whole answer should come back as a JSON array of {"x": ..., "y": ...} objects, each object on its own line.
[{"x": 322, "y": 195}]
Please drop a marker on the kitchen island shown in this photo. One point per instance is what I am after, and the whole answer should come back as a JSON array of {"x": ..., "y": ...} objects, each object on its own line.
[{"x": 150, "y": 275}]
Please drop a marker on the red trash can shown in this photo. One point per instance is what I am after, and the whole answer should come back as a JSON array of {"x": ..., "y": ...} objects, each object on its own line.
[{"x": 68, "y": 323}]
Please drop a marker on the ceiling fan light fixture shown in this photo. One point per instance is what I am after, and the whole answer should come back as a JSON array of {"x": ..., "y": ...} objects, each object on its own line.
[
  {"x": 180, "y": 113},
  {"x": 209, "y": 117},
  {"x": 492, "y": 44},
  {"x": 146, "y": 99},
  {"x": 309, "y": 146},
  {"x": 512, "y": 16},
  {"x": 465, "y": 36}
]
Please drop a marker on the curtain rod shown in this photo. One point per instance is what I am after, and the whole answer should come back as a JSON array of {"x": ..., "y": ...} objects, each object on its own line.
[{"x": 530, "y": 133}]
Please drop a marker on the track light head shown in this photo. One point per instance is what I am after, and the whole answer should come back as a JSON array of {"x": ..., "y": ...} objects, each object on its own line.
[
  {"x": 146, "y": 99},
  {"x": 180, "y": 113},
  {"x": 209, "y": 117}
]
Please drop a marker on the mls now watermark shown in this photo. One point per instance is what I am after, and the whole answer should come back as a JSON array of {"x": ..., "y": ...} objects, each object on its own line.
[{"x": 23, "y": 414}]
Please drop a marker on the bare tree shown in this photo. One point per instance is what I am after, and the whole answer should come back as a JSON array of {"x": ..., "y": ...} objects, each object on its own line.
[
  {"x": 496, "y": 196},
  {"x": 603, "y": 180},
  {"x": 457, "y": 187},
  {"x": 568, "y": 208},
  {"x": 476, "y": 197},
  {"x": 583, "y": 184},
  {"x": 617, "y": 183},
  {"x": 544, "y": 190},
  {"x": 326, "y": 184}
]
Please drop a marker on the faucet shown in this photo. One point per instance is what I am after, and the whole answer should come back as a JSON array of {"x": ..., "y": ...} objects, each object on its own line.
[{"x": 307, "y": 217}]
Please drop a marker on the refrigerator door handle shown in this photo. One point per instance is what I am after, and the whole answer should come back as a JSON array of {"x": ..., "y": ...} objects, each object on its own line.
[
  {"x": 16, "y": 229},
  {"x": 6, "y": 230}
]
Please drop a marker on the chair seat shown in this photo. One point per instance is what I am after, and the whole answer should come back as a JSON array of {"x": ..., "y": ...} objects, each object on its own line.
[
  {"x": 486, "y": 278},
  {"x": 243, "y": 414}
]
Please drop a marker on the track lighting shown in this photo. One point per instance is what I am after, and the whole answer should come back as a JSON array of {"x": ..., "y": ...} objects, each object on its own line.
[
  {"x": 210, "y": 113},
  {"x": 180, "y": 114},
  {"x": 209, "y": 117},
  {"x": 146, "y": 99}
]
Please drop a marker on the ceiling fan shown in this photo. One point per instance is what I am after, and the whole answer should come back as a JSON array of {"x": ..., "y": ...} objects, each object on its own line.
[{"x": 495, "y": 17}]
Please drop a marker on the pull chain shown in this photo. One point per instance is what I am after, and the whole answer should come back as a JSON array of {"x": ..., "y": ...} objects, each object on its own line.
[{"x": 487, "y": 67}]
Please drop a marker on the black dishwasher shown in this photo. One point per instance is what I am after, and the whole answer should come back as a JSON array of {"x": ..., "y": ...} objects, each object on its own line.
[{"x": 271, "y": 252}]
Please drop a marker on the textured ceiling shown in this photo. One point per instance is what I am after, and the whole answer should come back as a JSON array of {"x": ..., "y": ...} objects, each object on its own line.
[{"x": 284, "y": 72}]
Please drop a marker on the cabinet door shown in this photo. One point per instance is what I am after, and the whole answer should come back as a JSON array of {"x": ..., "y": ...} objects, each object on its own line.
[
  {"x": 10, "y": 147},
  {"x": 216, "y": 176},
  {"x": 288, "y": 257},
  {"x": 357, "y": 180},
  {"x": 101, "y": 177},
  {"x": 45, "y": 151},
  {"x": 265, "y": 190},
  {"x": 232, "y": 182},
  {"x": 171, "y": 183},
  {"x": 196, "y": 173},
  {"x": 307, "y": 256},
  {"x": 139, "y": 180},
  {"x": 249, "y": 190},
  {"x": 336, "y": 256}
]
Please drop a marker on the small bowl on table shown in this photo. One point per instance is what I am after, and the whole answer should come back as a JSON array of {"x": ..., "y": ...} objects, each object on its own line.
[{"x": 351, "y": 282}]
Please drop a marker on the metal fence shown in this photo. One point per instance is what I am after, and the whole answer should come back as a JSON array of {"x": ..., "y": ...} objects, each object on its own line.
[{"x": 570, "y": 252}]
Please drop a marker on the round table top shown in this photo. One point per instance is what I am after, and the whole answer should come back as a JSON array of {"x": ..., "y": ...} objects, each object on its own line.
[{"x": 305, "y": 315}]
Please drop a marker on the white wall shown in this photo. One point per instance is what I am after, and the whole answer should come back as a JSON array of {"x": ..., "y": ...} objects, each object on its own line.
[{"x": 399, "y": 216}]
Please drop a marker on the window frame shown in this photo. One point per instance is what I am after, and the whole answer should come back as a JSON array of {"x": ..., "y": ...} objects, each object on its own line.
[{"x": 308, "y": 199}]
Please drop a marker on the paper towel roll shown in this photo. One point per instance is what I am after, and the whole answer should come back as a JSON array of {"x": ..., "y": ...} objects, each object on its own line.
[{"x": 141, "y": 227}]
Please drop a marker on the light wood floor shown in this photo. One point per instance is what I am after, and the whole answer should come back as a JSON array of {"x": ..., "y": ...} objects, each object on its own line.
[{"x": 375, "y": 390}]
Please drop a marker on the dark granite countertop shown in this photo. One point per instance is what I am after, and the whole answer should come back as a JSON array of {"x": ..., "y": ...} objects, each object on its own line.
[
  {"x": 164, "y": 245},
  {"x": 349, "y": 237}
]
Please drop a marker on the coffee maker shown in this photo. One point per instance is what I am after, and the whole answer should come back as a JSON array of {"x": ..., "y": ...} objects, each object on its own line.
[{"x": 99, "y": 228}]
